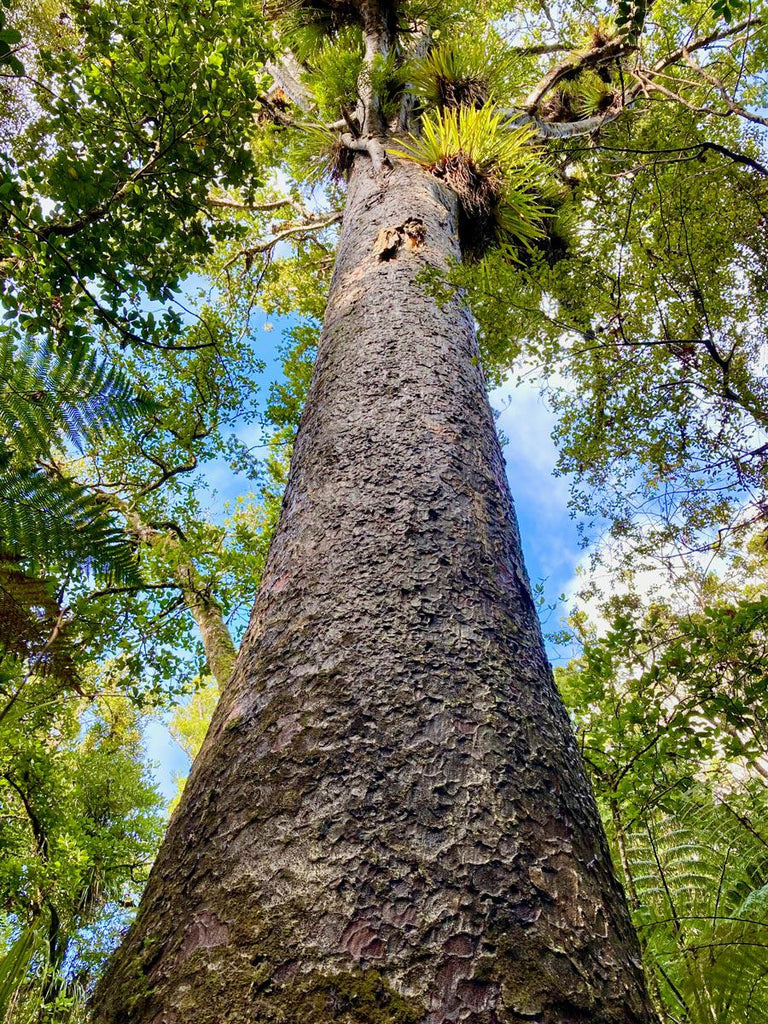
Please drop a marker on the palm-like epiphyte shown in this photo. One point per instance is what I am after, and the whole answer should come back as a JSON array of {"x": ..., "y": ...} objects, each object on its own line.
[{"x": 453, "y": 103}]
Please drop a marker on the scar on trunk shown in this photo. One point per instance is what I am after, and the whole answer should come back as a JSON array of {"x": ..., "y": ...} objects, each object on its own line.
[{"x": 409, "y": 235}]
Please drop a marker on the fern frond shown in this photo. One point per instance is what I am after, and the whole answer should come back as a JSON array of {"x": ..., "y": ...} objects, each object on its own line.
[
  {"x": 48, "y": 518},
  {"x": 702, "y": 879},
  {"x": 336, "y": 67},
  {"x": 306, "y": 23},
  {"x": 49, "y": 397}
]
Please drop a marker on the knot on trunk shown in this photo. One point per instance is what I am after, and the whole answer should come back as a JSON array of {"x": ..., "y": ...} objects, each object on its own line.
[{"x": 409, "y": 235}]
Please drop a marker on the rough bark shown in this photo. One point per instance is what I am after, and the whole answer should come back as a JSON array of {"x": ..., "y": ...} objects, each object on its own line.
[{"x": 389, "y": 821}]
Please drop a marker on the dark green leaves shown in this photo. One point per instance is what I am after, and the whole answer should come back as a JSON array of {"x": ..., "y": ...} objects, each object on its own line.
[
  {"x": 105, "y": 205},
  {"x": 630, "y": 18},
  {"x": 729, "y": 10},
  {"x": 9, "y": 40}
]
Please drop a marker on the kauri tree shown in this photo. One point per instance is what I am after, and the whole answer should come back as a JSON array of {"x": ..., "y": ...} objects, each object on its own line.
[{"x": 389, "y": 819}]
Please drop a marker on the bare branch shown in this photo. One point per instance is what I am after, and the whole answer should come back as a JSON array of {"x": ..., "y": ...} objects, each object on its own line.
[
  {"x": 370, "y": 145},
  {"x": 232, "y": 204},
  {"x": 287, "y": 77},
  {"x": 568, "y": 129},
  {"x": 701, "y": 41},
  {"x": 304, "y": 227}
]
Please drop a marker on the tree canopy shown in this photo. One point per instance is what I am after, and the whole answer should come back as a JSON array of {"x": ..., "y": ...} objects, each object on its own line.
[{"x": 170, "y": 169}]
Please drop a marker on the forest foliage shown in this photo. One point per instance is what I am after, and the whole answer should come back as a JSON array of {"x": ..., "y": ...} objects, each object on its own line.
[{"x": 172, "y": 171}]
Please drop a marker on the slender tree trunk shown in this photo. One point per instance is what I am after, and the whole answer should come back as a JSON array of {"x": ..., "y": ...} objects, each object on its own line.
[
  {"x": 389, "y": 821},
  {"x": 219, "y": 647}
]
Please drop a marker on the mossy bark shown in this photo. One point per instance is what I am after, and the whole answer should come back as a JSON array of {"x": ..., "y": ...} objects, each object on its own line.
[{"x": 389, "y": 821}]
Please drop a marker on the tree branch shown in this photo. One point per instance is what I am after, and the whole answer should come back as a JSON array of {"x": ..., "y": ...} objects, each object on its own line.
[
  {"x": 308, "y": 226},
  {"x": 287, "y": 77},
  {"x": 225, "y": 203},
  {"x": 609, "y": 51},
  {"x": 370, "y": 145}
]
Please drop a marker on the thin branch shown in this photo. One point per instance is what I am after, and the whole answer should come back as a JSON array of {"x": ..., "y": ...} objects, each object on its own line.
[
  {"x": 306, "y": 227},
  {"x": 369, "y": 145},
  {"x": 232, "y": 204}
]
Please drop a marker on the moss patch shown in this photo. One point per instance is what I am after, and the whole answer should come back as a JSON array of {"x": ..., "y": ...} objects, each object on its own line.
[{"x": 355, "y": 997}]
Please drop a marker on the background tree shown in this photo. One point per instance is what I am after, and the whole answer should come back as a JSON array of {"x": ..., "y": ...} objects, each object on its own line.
[{"x": 107, "y": 559}]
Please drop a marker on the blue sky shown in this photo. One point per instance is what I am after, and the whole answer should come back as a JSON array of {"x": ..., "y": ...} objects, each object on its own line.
[{"x": 550, "y": 541}]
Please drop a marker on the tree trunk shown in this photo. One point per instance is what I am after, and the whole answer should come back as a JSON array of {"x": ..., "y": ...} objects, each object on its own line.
[
  {"x": 389, "y": 821},
  {"x": 218, "y": 645}
]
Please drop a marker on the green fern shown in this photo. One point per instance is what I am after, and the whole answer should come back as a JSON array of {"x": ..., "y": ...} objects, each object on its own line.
[
  {"x": 336, "y": 67},
  {"x": 306, "y": 24},
  {"x": 46, "y": 518},
  {"x": 49, "y": 397},
  {"x": 701, "y": 877},
  {"x": 335, "y": 71}
]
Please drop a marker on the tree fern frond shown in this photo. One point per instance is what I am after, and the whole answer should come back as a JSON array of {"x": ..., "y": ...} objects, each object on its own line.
[
  {"x": 701, "y": 877},
  {"x": 45, "y": 517},
  {"x": 49, "y": 396}
]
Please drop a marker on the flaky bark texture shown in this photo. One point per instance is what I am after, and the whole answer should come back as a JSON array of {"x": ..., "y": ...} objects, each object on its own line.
[{"x": 389, "y": 821}]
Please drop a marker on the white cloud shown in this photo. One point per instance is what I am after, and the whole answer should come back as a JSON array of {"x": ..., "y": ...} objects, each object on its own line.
[
  {"x": 614, "y": 567},
  {"x": 527, "y": 422}
]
